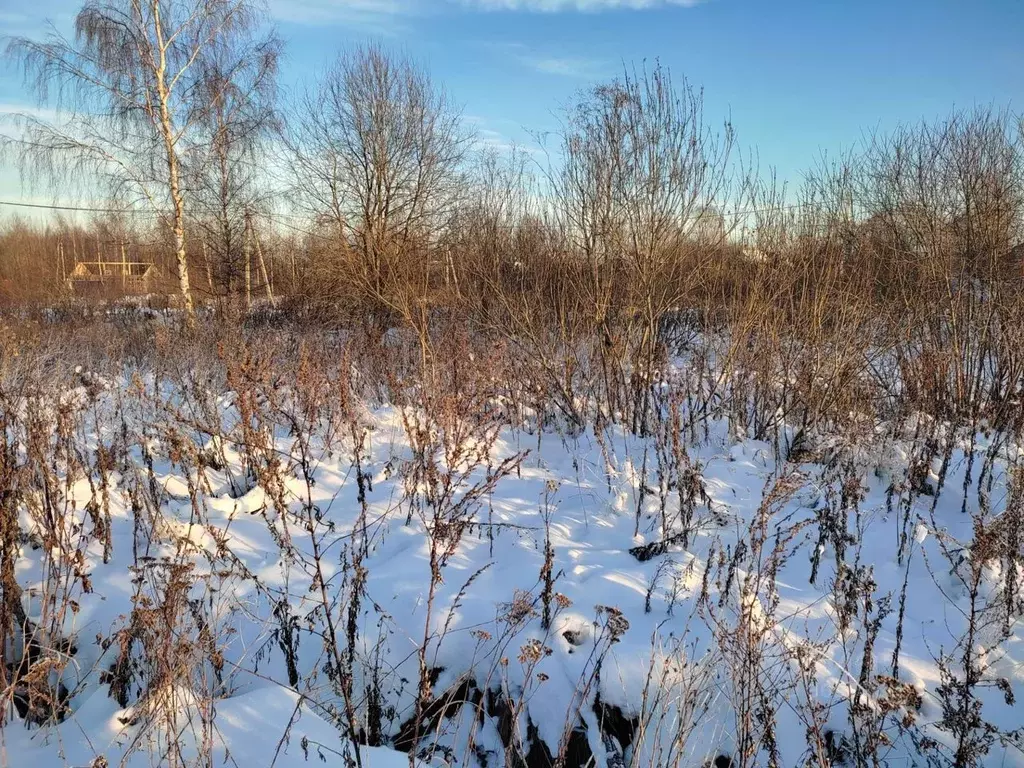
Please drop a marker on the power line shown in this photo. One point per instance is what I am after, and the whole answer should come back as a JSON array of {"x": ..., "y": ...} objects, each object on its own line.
[
  {"x": 274, "y": 215},
  {"x": 81, "y": 209}
]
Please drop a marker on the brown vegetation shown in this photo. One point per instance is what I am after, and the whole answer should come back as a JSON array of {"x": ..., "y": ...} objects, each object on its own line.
[{"x": 640, "y": 282}]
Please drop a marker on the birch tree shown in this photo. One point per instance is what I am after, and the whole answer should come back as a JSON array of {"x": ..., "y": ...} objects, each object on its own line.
[
  {"x": 130, "y": 90},
  {"x": 239, "y": 83}
]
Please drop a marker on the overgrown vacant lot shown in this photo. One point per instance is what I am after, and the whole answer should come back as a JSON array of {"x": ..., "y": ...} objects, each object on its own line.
[
  {"x": 269, "y": 546},
  {"x": 332, "y": 431}
]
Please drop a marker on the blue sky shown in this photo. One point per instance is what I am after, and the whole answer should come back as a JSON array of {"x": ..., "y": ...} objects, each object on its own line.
[{"x": 797, "y": 77}]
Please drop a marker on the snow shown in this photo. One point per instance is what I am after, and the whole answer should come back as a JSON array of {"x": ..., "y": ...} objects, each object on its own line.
[
  {"x": 652, "y": 638},
  {"x": 920, "y": 533},
  {"x": 270, "y": 726}
]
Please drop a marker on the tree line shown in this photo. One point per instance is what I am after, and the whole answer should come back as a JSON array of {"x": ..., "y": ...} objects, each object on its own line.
[{"x": 365, "y": 198}]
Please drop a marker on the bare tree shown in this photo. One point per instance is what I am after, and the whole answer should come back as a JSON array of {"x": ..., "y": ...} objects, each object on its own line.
[
  {"x": 135, "y": 94},
  {"x": 376, "y": 150},
  {"x": 239, "y": 85},
  {"x": 641, "y": 179}
]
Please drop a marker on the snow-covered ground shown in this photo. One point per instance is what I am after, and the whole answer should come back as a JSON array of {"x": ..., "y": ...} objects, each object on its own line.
[{"x": 547, "y": 621}]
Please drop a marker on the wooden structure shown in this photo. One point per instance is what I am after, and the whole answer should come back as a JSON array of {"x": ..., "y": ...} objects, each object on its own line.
[{"x": 91, "y": 278}]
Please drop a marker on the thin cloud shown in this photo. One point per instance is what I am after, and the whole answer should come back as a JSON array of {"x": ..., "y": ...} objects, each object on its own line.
[
  {"x": 386, "y": 15},
  {"x": 486, "y": 138},
  {"x": 565, "y": 66},
  {"x": 586, "y": 6},
  {"x": 562, "y": 66},
  {"x": 10, "y": 110},
  {"x": 378, "y": 16},
  {"x": 493, "y": 141},
  {"x": 9, "y": 20}
]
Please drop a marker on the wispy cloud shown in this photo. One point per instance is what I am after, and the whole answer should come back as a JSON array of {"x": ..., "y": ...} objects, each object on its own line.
[
  {"x": 486, "y": 137},
  {"x": 9, "y": 19},
  {"x": 551, "y": 6},
  {"x": 386, "y": 15},
  {"x": 11, "y": 111},
  {"x": 378, "y": 16},
  {"x": 564, "y": 66},
  {"x": 16, "y": 122}
]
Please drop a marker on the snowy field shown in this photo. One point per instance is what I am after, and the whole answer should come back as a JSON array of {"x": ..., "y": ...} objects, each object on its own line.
[{"x": 254, "y": 575}]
